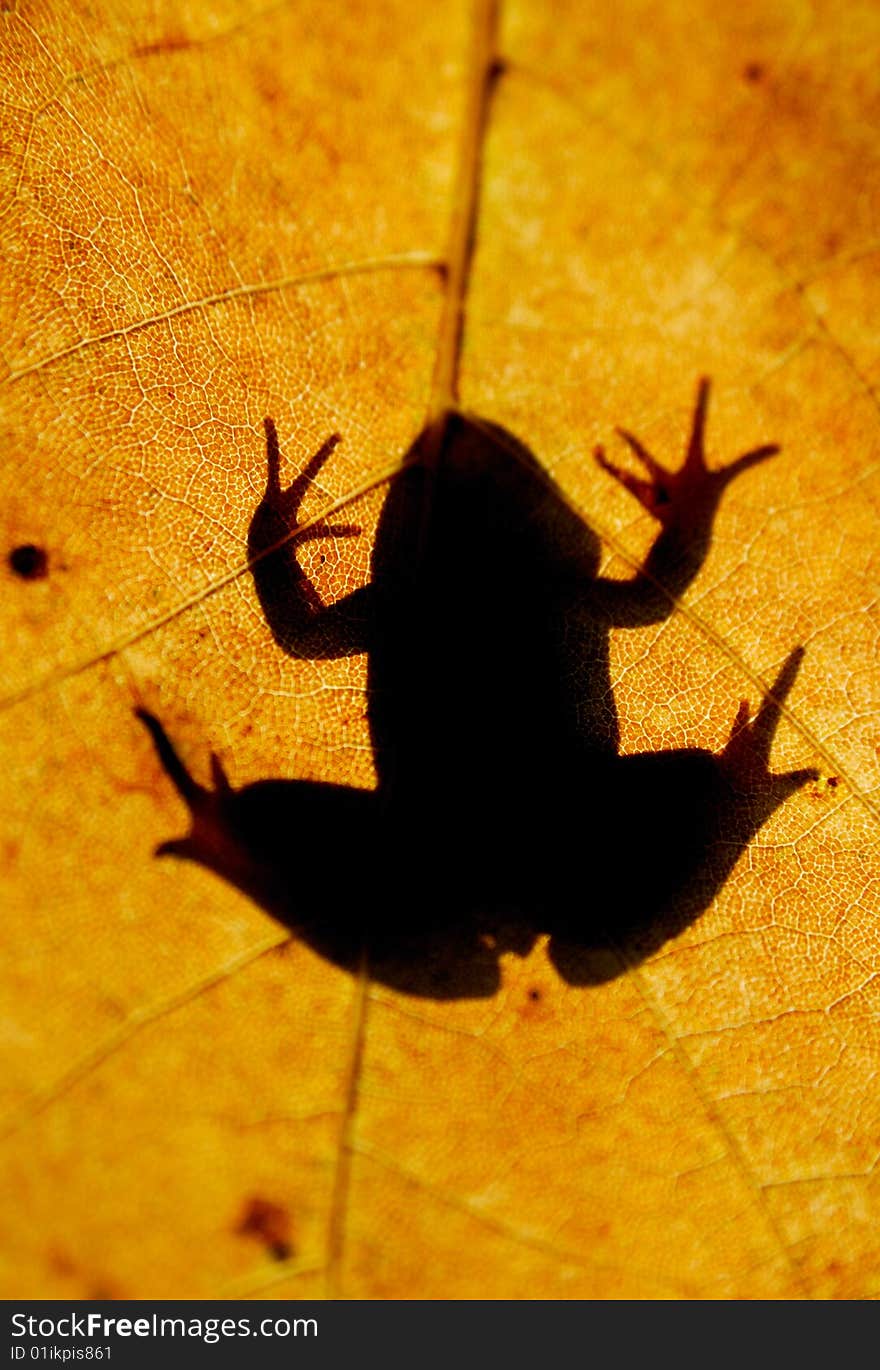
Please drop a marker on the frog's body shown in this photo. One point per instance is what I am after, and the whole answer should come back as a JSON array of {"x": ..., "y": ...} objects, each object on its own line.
[
  {"x": 492, "y": 722},
  {"x": 473, "y": 709}
]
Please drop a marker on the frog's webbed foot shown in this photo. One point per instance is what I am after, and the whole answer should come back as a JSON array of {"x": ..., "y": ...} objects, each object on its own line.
[
  {"x": 679, "y": 497},
  {"x": 745, "y": 759},
  {"x": 275, "y": 521},
  {"x": 286, "y": 503},
  {"x": 211, "y": 838},
  {"x": 274, "y": 526}
]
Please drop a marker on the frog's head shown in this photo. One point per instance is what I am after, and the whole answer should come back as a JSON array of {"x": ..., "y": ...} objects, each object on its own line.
[{"x": 477, "y": 444}]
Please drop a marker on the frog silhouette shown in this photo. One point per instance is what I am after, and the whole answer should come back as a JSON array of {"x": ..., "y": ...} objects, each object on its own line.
[{"x": 503, "y": 810}]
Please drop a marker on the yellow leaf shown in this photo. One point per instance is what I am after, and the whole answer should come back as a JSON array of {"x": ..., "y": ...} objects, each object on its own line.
[{"x": 554, "y": 218}]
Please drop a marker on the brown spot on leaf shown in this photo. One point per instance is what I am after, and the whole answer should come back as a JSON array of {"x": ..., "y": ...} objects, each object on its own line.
[
  {"x": 270, "y": 1224},
  {"x": 104, "y": 1293},
  {"x": 60, "y": 1262}
]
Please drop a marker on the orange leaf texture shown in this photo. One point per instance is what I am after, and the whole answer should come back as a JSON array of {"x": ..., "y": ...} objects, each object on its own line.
[{"x": 440, "y": 706}]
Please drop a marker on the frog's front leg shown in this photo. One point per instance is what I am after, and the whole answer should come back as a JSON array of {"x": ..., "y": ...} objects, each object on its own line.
[
  {"x": 684, "y": 502},
  {"x": 300, "y": 622}
]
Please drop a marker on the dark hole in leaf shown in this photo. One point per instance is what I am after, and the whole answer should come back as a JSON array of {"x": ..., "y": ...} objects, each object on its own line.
[{"x": 29, "y": 561}]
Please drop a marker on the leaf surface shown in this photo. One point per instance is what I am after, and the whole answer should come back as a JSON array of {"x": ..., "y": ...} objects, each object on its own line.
[{"x": 216, "y": 212}]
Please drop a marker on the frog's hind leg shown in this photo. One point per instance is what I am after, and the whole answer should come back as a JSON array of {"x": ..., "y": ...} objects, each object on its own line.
[
  {"x": 677, "y": 823},
  {"x": 350, "y": 873},
  {"x": 297, "y": 847}
]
